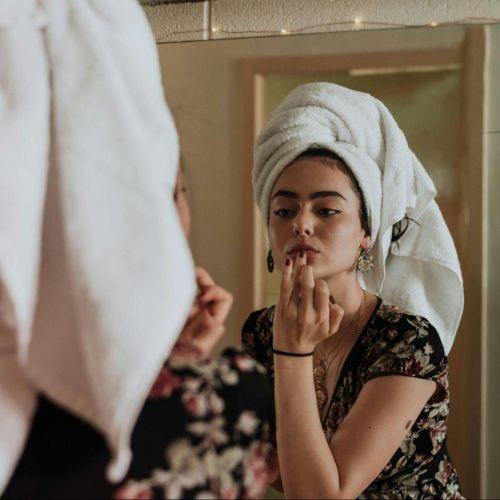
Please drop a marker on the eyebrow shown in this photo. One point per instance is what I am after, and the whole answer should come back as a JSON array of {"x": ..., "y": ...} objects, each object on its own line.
[{"x": 312, "y": 196}]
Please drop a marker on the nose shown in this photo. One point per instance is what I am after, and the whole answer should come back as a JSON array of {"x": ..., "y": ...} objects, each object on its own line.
[{"x": 302, "y": 227}]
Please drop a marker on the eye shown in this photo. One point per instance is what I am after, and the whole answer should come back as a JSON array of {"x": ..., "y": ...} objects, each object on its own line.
[
  {"x": 327, "y": 212},
  {"x": 284, "y": 213}
]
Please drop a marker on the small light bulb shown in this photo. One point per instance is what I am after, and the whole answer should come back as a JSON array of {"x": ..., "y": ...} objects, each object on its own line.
[
  {"x": 433, "y": 24},
  {"x": 284, "y": 31},
  {"x": 215, "y": 29},
  {"x": 357, "y": 21}
]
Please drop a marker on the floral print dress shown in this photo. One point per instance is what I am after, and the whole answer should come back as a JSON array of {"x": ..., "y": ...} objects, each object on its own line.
[
  {"x": 394, "y": 342},
  {"x": 217, "y": 443},
  {"x": 204, "y": 432}
]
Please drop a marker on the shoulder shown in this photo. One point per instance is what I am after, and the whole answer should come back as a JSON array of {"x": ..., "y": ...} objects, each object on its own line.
[
  {"x": 259, "y": 320},
  {"x": 395, "y": 327},
  {"x": 239, "y": 360},
  {"x": 258, "y": 328},
  {"x": 257, "y": 334},
  {"x": 227, "y": 367},
  {"x": 400, "y": 341}
]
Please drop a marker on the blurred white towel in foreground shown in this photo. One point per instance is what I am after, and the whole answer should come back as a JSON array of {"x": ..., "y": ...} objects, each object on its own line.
[{"x": 96, "y": 278}]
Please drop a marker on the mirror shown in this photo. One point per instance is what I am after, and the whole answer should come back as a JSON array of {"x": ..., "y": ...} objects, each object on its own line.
[{"x": 440, "y": 83}]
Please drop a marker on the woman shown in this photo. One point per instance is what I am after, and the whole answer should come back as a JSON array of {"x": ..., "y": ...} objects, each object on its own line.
[
  {"x": 216, "y": 443},
  {"x": 204, "y": 429},
  {"x": 360, "y": 374}
]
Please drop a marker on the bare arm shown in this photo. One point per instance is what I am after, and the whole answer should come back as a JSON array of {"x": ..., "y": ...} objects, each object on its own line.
[
  {"x": 371, "y": 432},
  {"x": 363, "y": 444}
]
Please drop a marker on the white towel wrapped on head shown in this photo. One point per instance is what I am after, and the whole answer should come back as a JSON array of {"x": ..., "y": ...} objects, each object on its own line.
[
  {"x": 96, "y": 278},
  {"x": 421, "y": 271}
]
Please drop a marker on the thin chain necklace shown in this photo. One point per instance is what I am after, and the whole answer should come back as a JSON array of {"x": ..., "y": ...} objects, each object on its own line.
[{"x": 320, "y": 371}]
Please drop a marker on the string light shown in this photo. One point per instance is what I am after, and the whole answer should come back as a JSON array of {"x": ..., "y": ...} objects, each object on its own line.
[{"x": 355, "y": 23}]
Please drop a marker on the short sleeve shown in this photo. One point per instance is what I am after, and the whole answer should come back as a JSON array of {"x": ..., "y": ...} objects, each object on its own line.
[
  {"x": 407, "y": 345},
  {"x": 257, "y": 336}
]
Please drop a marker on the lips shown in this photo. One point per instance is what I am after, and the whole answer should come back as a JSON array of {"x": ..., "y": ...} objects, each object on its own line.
[{"x": 308, "y": 249}]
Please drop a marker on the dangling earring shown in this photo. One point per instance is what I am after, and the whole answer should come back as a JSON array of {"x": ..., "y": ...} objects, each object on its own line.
[
  {"x": 365, "y": 261},
  {"x": 270, "y": 262}
]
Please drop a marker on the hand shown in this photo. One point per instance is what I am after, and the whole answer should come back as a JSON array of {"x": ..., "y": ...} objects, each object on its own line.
[
  {"x": 205, "y": 324},
  {"x": 304, "y": 314},
  {"x": 217, "y": 300}
]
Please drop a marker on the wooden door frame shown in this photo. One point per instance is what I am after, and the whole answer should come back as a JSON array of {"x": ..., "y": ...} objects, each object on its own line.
[{"x": 469, "y": 353}]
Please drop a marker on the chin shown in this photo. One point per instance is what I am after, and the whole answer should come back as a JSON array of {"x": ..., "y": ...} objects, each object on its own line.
[{"x": 320, "y": 273}]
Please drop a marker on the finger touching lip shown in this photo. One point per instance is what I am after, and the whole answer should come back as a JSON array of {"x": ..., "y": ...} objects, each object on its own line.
[{"x": 297, "y": 254}]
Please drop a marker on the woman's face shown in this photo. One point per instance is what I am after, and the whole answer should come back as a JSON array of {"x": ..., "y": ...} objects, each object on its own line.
[
  {"x": 314, "y": 208},
  {"x": 181, "y": 203}
]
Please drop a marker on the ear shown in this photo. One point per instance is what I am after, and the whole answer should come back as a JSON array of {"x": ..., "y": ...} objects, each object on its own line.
[{"x": 366, "y": 241}]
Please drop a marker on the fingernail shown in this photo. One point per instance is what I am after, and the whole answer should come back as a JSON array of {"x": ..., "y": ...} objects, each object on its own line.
[
  {"x": 301, "y": 254},
  {"x": 332, "y": 300},
  {"x": 288, "y": 261}
]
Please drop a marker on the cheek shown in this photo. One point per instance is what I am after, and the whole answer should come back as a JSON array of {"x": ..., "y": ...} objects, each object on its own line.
[
  {"x": 277, "y": 240},
  {"x": 342, "y": 238}
]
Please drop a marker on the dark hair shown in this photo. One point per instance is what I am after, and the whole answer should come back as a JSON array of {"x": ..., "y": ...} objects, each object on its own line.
[{"x": 398, "y": 229}]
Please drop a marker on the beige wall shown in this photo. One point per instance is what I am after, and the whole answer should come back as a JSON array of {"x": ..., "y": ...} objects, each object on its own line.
[
  {"x": 235, "y": 18},
  {"x": 202, "y": 81}
]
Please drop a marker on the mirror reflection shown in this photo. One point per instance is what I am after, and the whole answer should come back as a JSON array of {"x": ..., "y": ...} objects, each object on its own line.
[{"x": 431, "y": 79}]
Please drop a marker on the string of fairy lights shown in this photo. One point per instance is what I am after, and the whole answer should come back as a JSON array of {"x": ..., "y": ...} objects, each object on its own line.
[{"x": 218, "y": 32}]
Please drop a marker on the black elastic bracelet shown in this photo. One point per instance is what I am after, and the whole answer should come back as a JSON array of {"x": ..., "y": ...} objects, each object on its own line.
[{"x": 293, "y": 354}]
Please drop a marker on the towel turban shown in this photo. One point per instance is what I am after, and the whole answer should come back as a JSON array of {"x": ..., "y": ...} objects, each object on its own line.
[
  {"x": 420, "y": 272},
  {"x": 96, "y": 277}
]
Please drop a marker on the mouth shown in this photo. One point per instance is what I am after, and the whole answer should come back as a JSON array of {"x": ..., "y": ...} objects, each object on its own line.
[{"x": 309, "y": 250}]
